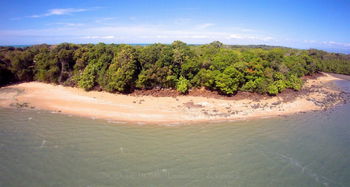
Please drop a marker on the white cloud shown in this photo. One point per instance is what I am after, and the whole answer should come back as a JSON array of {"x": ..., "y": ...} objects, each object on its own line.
[
  {"x": 250, "y": 37},
  {"x": 328, "y": 43},
  {"x": 162, "y": 36},
  {"x": 98, "y": 37},
  {"x": 200, "y": 36},
  {"x": 333, "y": 43},
  {"x": 59, "y": 11},
  {"x": 266, "y": 38},
  {"x": 236, "y": 36},
  {"x": 68, "y": 24},
  {"x": 132, "y": 18},
  {"x": 204, "y": 25},
  {"x": 245, "y": 29},
  {"x": 182, "y": 21},
  {"x": 139, "y": 34},
  {"x": 115, "y": 32}
]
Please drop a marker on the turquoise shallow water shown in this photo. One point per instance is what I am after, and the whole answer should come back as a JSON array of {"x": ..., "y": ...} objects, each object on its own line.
[{"x": 44, "y": 149}]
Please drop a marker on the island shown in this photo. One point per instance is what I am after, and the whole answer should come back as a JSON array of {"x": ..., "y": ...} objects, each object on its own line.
[{"x": 170, "y": 83}]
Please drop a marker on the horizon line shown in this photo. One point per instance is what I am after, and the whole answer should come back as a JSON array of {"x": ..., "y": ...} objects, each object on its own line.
[{"x": 329, "y": 50}]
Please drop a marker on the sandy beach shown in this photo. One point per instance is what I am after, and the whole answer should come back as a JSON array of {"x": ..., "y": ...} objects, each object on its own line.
[{"x": 317, "y": 94}]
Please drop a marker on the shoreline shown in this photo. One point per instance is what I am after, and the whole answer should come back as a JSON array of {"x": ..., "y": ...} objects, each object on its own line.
[{"x": 317, "y": 94}]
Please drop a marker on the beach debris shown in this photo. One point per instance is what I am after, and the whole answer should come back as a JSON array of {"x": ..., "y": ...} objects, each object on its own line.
[
  {"x": 204, "y": 104},
  {"x": 20, "y": 105},
  {"x": 190, "y": 104},
  {"x": 255, "y": 106},
  {"x": 276, "y": 103}
]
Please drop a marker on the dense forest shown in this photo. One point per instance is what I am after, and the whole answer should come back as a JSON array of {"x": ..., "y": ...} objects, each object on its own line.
[{"x": 124, "y": 68}]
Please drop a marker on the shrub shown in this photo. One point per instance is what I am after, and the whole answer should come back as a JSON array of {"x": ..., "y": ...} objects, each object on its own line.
[
  {"x": 272, "y": 89},
  {"x": 122, "y": 74},
  {"x": 228, "y": 81},
  {"x": 87, "y": 78},
  {"x": 249, "y": 86},
  {"x": 281, "y": 85},
  {"x": 182, "y": 85},
  {"x": 294, "y": 83}
]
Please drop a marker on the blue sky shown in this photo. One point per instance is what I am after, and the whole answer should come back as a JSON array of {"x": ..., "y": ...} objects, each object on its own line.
[{"x": 294, "y": 23}]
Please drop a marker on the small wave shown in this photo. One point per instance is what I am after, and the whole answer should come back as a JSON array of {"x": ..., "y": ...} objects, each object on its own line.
[
  {"x": 42, "y": 143},
  {"x": 306, "y": 171}
]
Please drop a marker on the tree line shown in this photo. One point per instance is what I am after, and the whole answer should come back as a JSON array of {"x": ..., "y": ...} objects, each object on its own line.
[{"x": 124, "y": 68}]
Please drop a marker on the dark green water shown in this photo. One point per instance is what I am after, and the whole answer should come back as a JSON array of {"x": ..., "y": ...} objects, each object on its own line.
[{"x": 45, "y": 149}]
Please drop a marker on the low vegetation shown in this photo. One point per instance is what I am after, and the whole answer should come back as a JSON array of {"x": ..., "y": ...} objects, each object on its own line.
[{"x": 124, "y": 68}]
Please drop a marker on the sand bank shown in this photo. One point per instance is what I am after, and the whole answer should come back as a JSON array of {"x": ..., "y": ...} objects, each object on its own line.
[{"x": 317, "y": 94}]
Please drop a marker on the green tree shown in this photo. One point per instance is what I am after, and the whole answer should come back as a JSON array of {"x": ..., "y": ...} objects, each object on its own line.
[
  {"x": 47, "y": 67},
  {"x": 229, "y": 81},
  {"x": 22, "y": 65},
  {"x": 122, "y": 73},
  {"x": 123, "y": 68},
  {"x": 88, "y": 78}
]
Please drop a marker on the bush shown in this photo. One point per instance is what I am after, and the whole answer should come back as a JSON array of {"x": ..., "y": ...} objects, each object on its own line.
[
  {"x": 294, "y": 83},
  {"x": 249, "y": 86},
  {"x": 228, "y": 81},
  {"x": 278, "y": 76},
  {"x": 46, "y": 67},
  {"x": 281, "y": 85},
  {"x": 87, "y": 79},
  {"x": 122, "y": 74},
  {"x": 262, "y": 85},
  {"x": 182, "y": 85},
  {"x": 272, "y": 89}
]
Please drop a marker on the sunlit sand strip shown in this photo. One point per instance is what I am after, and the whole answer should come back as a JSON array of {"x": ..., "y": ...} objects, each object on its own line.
[{"x": 165, "y": 110}]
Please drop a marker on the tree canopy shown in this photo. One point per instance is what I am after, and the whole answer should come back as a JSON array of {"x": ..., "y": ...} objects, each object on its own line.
[{"x": 124, "y": 68}]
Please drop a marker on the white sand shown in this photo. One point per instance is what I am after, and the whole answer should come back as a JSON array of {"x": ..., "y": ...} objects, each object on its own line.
[{"x": 148, "y": 109}]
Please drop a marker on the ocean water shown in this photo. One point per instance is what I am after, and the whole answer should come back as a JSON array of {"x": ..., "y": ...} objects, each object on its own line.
[
  {"x": 16, "y": 46},
  {"x": 39, "y": 148}
]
